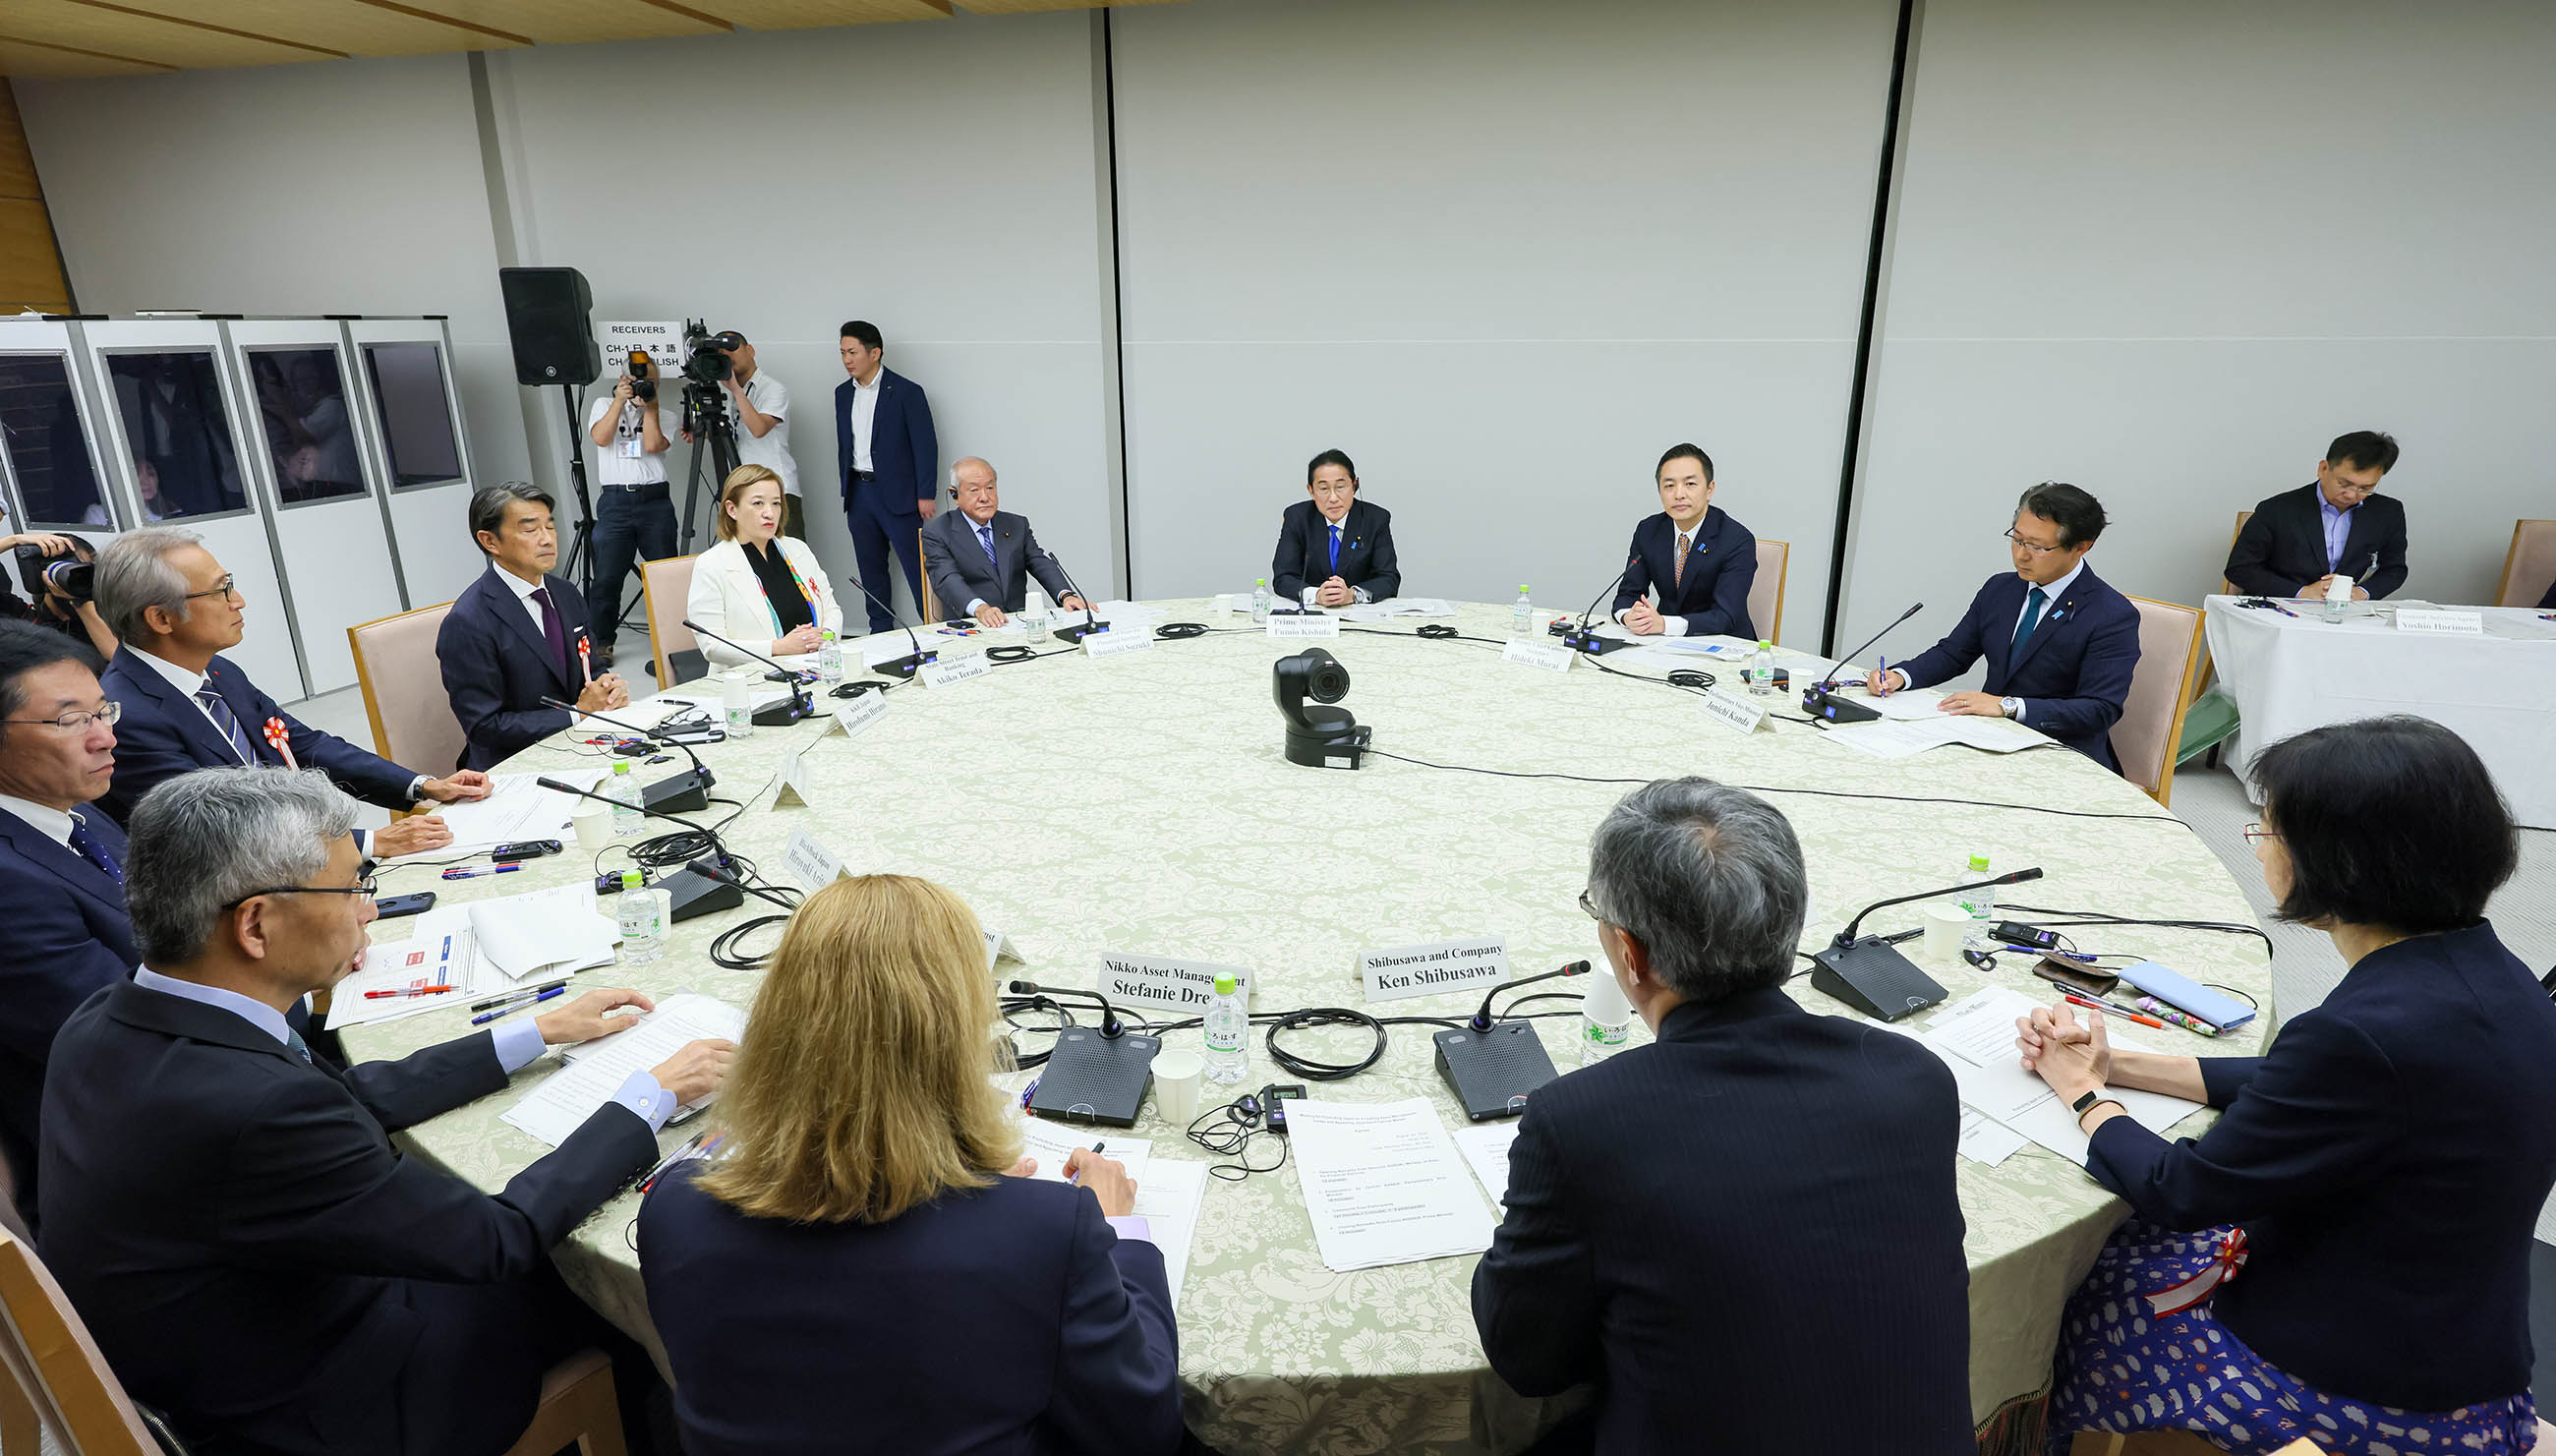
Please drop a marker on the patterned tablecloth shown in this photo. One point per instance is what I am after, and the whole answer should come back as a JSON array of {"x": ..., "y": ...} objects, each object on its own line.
[{"x": 1141, "y": 803}]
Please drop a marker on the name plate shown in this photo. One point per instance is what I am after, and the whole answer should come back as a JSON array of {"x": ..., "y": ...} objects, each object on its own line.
[
  {"x": 1166, "y": 982},
  {"x": 794, "y": 785},
  {"x": 857, "y": 714},
  {"x": 1736, "y": 712},
  {"x": 1551, "y": 656},
  {"x": 2443, "y": 624},
  {"x": 952, "y": 671},
  {"x": 1318, "y": 624},
  {"x": 998, "y": 948},
  {"x": 1402, "y": 971},
  {"x": 1118, "y": 642},
  {"x": 810, "y": 864}
]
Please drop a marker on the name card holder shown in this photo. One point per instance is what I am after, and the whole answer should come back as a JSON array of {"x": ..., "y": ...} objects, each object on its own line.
[
  {"x": 950, "y": 672},
  {"x": 1550, "y": 656},
  {"x": 1732, "y": 712},
  {"x": 1317, "y": 624}
]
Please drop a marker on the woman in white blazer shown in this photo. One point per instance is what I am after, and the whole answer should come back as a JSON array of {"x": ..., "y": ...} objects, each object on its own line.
[{"x": 756, "y": 585}]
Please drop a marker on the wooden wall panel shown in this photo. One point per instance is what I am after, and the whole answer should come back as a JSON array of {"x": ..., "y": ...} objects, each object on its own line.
[{"x": 31, "y": 269}]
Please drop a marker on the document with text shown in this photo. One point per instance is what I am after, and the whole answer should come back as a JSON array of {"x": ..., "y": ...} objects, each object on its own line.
[
  {"x": 1975, "y": 1037},
  {"x": 567, "y": 1096},
  {"x": 1384, "y": 1184}
]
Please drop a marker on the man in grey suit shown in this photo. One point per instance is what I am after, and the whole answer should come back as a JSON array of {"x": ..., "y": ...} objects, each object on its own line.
[{"x": 981, "y": 557}]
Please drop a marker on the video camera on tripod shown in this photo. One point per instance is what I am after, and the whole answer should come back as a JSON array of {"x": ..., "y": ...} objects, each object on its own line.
[{"x": 707, "y": 419}]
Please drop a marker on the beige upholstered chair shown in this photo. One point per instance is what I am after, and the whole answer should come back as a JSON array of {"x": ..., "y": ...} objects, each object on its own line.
[
  {"x": 1766, "y": 593},
  {"x": 2529, "y": 566},
  {"x": 2227, "y": 588},
  {"x": 668, "y": 586},
  {"x": 404, "y": 699},
  {"x": 2161, "y": 688}
]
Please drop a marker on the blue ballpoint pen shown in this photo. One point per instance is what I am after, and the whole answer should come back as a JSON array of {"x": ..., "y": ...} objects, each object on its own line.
[{"x": 488, "y": 1016}]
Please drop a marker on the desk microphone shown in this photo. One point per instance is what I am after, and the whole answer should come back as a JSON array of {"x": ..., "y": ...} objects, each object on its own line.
[
  {"x": 1581, "y": 639},
  {"x": 1870, "y": 975},
  {"x": 690, "y": 791},
  {"x": 711, "y": 866},
  {"x": 1481, "y": 1020},
  {"x": 1092, "y": 1077},
  {"x": 1089, "y": 623},
  {"x": 1111, "y": 1029},
  {"x": 690, "y": 891},
  {"x": 800, "y": 705},
  {"x": 897, "y": 667},
  {"x": 1820, "y": 698}
]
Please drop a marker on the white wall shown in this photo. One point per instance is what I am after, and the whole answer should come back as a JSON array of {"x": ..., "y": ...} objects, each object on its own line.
[
  {"x": 1504, "y": 253},
  {"x": 2168, "y": 251}
]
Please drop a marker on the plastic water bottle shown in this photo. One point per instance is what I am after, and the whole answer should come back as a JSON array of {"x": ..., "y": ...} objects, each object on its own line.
[
  {"x": 642, "y": 914},
  {"x": 1605, "y": 1017},
  {"x": 1523, "y": 616},
  {"x": 829, "y": 658},
  {"x": 1226, "y": 1026},
  {"x": 1761, "y": 670},
  {"x": 1981, "y": 903},
  {"x": 627, "y": 821},
  {"x": 1260, "y": 599}
]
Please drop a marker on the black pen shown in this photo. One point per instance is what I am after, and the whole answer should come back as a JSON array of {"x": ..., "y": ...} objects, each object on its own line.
[
  {"x": 1077, "y": 1178},
  {"x": 495, "y": 1001}
]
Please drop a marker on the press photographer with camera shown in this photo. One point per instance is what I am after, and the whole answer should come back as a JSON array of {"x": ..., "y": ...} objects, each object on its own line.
[
  {"x": 634, "y": 515},
  {"x": 56, "y": 571},
  {"x": 762, "y": 409}
]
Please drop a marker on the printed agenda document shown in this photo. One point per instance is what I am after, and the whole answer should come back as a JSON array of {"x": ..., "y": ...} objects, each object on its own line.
[
  {"x": 567, "y": 1096},
  {"x": 1384, "y": 1184}
]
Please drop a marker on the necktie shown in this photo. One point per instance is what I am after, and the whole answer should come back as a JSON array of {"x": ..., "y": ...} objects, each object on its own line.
[
  {"x": 552, "y": 632},
  {"x": 87, "y": 848},
  {"x": 1335, "y": 549},
  {"x": 2031, "y": 618},
  {"x": 227, "y": 722},
  {"x": 985, "y": 538},
  {"x": 1677, "y": 573},
  {"x": 300, "y": 1048}
]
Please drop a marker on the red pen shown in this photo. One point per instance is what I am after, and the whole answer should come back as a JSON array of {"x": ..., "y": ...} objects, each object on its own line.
[
  {"x": 374, "y": 995},
  {"x": 2123, "y": 1012}
]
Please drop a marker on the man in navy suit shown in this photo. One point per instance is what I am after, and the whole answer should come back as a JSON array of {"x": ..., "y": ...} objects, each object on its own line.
[
  {"x": 517, "y": 634},
  {"x": 1702, "y": 560},
  {"x": 1744, "y": 1235},
  {"x": 890, "y": 462},
  {"x": 2337, "y": 524},
  {"x": 981, "y": 556},
  {"x": 2059, "y": 642},
  {"x": 61, "y": 865},
  {"x": 1335, "y": 549},
  {"x": 187, "y": 707}
]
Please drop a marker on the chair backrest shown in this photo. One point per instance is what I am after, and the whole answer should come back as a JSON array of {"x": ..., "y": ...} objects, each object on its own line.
[
  {"x": 48, "y": 1350},
  {"x": 2529, "y": 566},
  {"x": 10, "y": 1219},
  {"x": 404, "y": 697},
  {"x": 927, "y": 605},
  {"x": 1766, "y": 593},
  {"x": 2227, "y": 588},
  {"x": 2161, "y": 688},
  {"x": 668, "y": 586}
]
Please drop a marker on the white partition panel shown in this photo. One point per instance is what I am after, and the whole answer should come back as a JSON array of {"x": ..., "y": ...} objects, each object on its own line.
[
  {"x": 49, "y": 461},
  {"x": 321, "y": 494},
  {"x": 180, "y": 456},
  {"x": 411, "y": 417}
]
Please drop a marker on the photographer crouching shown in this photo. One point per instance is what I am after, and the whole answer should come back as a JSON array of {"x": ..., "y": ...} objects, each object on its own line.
[{"x": 634, "y": 520}]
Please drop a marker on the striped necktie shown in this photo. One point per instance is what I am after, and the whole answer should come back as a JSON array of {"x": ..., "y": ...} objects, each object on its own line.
[{"x": 221, "y": 713}]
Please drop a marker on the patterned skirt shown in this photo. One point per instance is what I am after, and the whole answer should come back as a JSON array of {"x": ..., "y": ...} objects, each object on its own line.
[{"x": 2123, "y": 1368}]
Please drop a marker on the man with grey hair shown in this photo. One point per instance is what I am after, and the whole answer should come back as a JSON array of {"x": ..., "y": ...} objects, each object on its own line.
[
  {"x": 187, "y": 707},
  {"x": 980, "y": 558},
  {"x": 230, "y": 1217},
  {"x": 1744, "y": 1234}
]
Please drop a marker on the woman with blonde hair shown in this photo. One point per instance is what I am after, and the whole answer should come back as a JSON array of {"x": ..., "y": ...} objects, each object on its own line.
[
  {"x": 756, "y": 585},
  {"x": 865, "y": 1264}
]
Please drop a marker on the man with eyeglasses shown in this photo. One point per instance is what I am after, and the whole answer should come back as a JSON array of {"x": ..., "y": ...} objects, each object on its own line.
[
  {"x": 2059, "y": 642},
  {"x": 2296, "y": 543},
  {"x": 251, "y": 1253},
  {"x": 187, "y": 707},
  {"x": 60, "y": 866}
]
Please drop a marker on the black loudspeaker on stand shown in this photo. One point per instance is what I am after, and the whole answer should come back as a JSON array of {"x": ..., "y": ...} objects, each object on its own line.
[{"x": 549, "y": 322}]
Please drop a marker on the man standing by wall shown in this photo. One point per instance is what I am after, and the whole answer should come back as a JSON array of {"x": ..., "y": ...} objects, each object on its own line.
[{"x": 890, "y": 462}]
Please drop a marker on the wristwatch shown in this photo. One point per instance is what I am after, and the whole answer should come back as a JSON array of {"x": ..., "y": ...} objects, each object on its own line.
[
  {"x": 2014, "y": 707},
  {"x": 2087, "y": 1100}
]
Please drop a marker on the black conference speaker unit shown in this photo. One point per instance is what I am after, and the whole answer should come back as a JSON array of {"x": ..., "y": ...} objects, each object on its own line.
[
  {"x": 1871, "y": 977},
  {"x": 1493, "y": 1072},
  {"x": 689, "y": 893},
  {"x": 548, "y": 319},
  {"x": 1096, "y": 1078}
]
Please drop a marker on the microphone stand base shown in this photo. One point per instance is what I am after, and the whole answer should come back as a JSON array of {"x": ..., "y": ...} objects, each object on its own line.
[
  {"x": 1092, "y": 1077},
  {"x": 782, "y": 715},
  {"x": 1581, "y": 639},
  {"x": 688, "y": 792},
  {"x": 1077, "y": 632},
  {"x": 1826, "y": 706},
  {"x": 1875, "y": 978},
  {"x": 902, "y": 669},
  {"x": 1494, "y": 1072}
]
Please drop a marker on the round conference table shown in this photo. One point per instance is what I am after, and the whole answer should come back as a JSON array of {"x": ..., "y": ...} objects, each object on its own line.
[{"x": 1141, "y": 803}]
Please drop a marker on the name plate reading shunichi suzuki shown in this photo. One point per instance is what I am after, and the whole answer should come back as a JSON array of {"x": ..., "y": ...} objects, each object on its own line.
[
  {"x": 1167, "y": 983},
  {"x": 2443, "y": 624},
  {"x": 1312, "y": 624},
  {"x": 952, "y": 671},
  {"x": 1551, "y": 656},
  {"x": 856, "y": 715},
  {"x": 1732, "y": 712},
  {"x": 1118, "y": 642},
  {"x": 1402, "y": 971}
]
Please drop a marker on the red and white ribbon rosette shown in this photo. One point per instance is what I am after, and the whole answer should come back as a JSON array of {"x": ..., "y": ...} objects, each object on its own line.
[
  {"x": 280, "y": 738},
  {"x": 585, "y": 657},
  {"x": 2192, "y": 1291}
]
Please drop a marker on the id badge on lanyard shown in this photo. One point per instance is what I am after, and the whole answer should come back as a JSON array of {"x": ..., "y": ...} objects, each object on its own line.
[{"x": 626, "y": 442}]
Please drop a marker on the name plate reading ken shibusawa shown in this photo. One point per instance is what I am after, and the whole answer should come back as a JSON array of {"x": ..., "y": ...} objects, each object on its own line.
[
  {"x": 1317, "y": 624},
  {"x": 1118, "y": 642},
  {"x": 1166, "y": 982},
  {"x": 951, "y": 672},
  {"x": 1731, "y": 712},
  {"x": 2446, "y": 623},
  {"x": 1427, "y": 969},
  {"x": 1551, "y": 656}
]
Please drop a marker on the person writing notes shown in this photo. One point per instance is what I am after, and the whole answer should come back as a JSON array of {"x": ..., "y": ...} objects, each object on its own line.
[
  {"x": 1335, "y": 549},
  {"x": 981, "y": 557},
  {"x": 866, "y": 1245},
  {"x": 1700, "y": 560},
  {"x": 2298, "y": 541},
  {"x": 2349, "y": 1243},
  {"x": 757, "y": 584},
  {"x": 2059, "y": 642}
]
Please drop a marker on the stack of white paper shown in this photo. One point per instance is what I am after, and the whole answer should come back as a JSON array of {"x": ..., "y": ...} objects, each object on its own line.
[
  {"x": 438, "y": 952},
  {"x": 568, "y": 1096},
  {"x": 1168, "y": 1199},
  {"x": 1053, "y": 1143},
  {"x": 1485, "y": 1146},
  {"x": 1975, "y": 1037},
  {"x": 516, "y": 809},
  {"x": 1384, "y": 1184},
  {"x": 1376, "y": 611},
  {"x": 554, "y": 930},
  {"x": 1900, "y": 737}
]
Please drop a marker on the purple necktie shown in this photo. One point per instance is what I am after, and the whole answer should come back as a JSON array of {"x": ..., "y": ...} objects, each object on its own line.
[{"x": 552, "y": 632}]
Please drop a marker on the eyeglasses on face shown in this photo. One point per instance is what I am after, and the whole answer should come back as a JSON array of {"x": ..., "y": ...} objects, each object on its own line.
[
  {"x": 227, "y": 588},
  {"x": 77, "y": 720},
  {"x": 1589, "y": 907},
  {"x": 365, "y": 887},
  {"x": 2035, "y": 546},
  {"x": 2256, "y": 831}
]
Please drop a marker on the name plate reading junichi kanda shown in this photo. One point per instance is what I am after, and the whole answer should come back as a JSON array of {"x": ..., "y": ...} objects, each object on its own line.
[{"x": 1401, "y": 971}]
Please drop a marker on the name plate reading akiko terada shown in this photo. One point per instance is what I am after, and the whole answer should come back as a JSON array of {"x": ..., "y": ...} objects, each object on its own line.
[{"x": 1401, "y": 971}]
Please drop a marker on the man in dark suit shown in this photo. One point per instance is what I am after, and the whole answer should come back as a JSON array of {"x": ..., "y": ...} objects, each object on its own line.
[
  {"x": 249, "y": 1250},
  {"x": 2059, "y": 642},
  {"x": 981, "y": 556},
  {"x": 187, "y": 707},
  {"x": 1335, "y": 549},
  {"x": 1702, "y": 560},
  {"x": 517, "y": 634},
  {"x": 890, "y": 462},
  {"x": 2337, "y": 525},
  {"x": 1744, "y": 1235},
  {"x": 61, "y": 865}
]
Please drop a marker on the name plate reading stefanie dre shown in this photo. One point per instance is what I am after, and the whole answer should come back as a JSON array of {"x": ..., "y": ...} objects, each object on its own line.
[
  {"x": 952, "y": 671},
  {"x": 2443, "y": 624},
  {"x": 1402, "y": 971},
  {"x": 810, "y": 865},
  {"x": 1731, "y": 712},
  {"x": 1166, "y": 982},
  {"x": 1551, "y": 656},
  {"x": 1118, "y": 642},
  {"x": 1310, "y": 624},
  {"x": 856, "y": 715}
]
